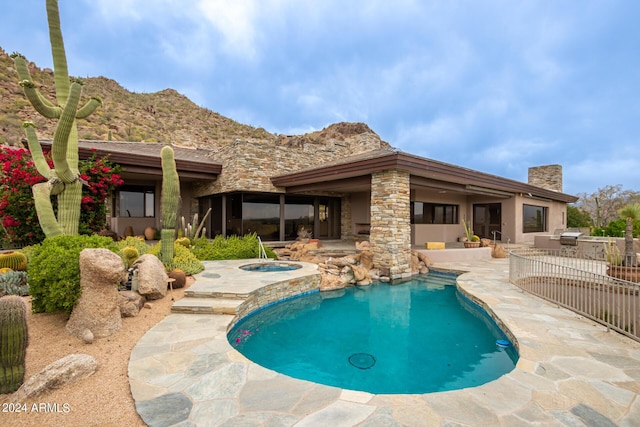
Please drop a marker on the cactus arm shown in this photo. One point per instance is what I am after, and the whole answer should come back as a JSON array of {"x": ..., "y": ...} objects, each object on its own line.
[
  {"x": 36, "y": 150},
  {"x": 61, "y": 140},
  {"x": 41, "y": 104},
  {"x": 88, "y": 108},
  {"x": 201, "y": 226},
  {"x": 44, "y": 209},
  {"x": 61, "y": 75}
]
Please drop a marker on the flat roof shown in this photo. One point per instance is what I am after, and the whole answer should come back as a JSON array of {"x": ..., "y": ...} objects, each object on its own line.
[{"x": 424, "y": 173}]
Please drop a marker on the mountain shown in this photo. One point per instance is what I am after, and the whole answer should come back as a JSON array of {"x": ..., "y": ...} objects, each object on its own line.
[{"x": 165, "y": 116}]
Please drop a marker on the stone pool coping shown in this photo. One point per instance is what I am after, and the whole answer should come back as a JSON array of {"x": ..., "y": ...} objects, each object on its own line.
[{"x": 571, "y": 371}]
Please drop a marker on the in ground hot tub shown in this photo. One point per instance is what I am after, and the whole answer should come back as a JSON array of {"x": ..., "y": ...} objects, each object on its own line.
[{"x": 263, "y": 267}]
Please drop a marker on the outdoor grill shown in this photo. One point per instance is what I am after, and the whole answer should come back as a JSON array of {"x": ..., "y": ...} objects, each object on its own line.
[{"x": 570, "y": 238}]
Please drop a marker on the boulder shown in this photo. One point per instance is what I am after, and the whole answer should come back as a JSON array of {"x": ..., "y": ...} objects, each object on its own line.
[
  {"x": 97, "y": 309},
  {"x": 424, "y": 258},
  {"x": 361, "y": 274},
  {"x": 63, "y": 371},
  {"x": 331, "y": 282},
  {"x": 152, "y": 277},
  {"x": 130, "y": 303},
  {"x": 366, "y": 259}
]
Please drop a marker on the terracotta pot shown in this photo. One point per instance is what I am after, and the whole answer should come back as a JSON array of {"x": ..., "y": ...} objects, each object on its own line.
[
  {"x": 631, "y": 274},
  {"x": 149, "y": 233},
  {"x": 471, "y": 244}
]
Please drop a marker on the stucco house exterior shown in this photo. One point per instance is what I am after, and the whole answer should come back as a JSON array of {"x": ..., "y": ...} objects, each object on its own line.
[{"x": 347, "y": 184}]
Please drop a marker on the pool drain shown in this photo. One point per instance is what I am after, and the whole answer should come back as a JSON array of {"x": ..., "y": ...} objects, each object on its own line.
[{"x": 362, "y": 360}]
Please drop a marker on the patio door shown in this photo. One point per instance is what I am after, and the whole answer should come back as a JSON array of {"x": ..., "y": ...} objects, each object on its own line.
[{"x": 487, "y": 219}]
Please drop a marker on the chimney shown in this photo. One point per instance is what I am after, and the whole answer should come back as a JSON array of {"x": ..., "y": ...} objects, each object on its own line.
[{"x": 548, "y": 177}]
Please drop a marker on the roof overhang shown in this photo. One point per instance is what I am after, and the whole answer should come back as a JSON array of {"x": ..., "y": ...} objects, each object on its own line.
[
  {"x": 424, "y": 172},
  {"x": 147, "y": 163}
]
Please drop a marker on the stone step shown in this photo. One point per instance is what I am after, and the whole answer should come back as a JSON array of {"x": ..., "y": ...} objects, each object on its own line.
[
  {"x": 213, "y": 294},
  {"x": 206, "y": 306}
]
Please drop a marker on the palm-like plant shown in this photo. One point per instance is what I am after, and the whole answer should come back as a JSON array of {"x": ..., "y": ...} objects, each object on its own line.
[{"x": 630, "y": 213}]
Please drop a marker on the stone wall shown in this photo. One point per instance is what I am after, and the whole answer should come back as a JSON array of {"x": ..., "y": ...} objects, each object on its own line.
[
  {"x": 548, "y": 177},
  {"x": 248, "y": 165},
  {"x": 277, "y": 292},
  {"x": 346, "y": 227},
  {"x": 391, "y": 223}
]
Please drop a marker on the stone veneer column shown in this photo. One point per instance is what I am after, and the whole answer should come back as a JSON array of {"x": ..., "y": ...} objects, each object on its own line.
[
  {"x": 346, "y": 226},
  {"x": 391, "y": 223}
]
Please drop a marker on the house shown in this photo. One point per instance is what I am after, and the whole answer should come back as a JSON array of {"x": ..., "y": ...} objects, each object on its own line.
[{"x": 343, "y": 183}]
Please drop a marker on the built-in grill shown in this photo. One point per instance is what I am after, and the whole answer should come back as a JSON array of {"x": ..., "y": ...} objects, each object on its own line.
[{"x": 570, "y": 238}]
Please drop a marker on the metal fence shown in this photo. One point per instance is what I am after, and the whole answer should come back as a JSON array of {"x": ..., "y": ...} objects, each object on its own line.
[{"x": 582, "y": 283}]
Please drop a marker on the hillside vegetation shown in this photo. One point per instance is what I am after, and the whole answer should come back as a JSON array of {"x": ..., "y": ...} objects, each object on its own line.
[{"x": 166, "y": 116}]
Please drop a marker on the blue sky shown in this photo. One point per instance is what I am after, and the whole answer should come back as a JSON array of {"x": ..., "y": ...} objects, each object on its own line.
[{"x": 496, "y": 85}]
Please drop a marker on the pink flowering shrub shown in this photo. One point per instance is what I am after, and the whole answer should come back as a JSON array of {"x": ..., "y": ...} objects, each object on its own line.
[{"x": 20, "y": 226}]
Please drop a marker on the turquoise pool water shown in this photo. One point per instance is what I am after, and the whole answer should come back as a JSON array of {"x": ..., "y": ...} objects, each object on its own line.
[
  {"x": 416, "y": 337},
  {"x": 266, "y": 267}
]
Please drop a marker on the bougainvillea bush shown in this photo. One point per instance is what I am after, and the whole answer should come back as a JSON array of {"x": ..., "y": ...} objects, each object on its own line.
[{"x": 18, "y": 217}]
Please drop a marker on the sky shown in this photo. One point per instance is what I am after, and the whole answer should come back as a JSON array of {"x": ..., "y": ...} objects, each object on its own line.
[{"x": 496, "y": 86}]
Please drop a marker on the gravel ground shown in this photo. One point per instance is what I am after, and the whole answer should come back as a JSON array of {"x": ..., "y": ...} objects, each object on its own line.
[{"x": 103, "y": 399}]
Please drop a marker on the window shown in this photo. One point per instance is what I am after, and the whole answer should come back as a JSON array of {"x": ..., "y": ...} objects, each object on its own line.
[
  {"x": 534, "y": 218},
  {"x": 432, "y": 213},
  {"x": 137, "y": 202}
]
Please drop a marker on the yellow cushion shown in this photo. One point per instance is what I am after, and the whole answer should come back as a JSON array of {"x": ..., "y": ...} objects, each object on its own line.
[{"x": 434, "y": 245}]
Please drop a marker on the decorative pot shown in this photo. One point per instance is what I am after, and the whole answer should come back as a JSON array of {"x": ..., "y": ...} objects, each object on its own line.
[
  {"x": 471, "y": 244},
  {"x": 631, "y": 274},
  {"x": 149, "y": 233}
]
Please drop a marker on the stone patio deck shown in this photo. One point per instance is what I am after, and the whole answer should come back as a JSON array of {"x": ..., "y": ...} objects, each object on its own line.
[{"x": 571, "y": 372}]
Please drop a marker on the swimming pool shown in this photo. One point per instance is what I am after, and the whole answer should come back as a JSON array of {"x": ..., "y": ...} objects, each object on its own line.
[{"x": 417, "y": 337}]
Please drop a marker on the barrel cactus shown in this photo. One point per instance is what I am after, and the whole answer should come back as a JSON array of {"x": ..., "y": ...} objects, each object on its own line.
[
  {"x": 14, "y": 339},
  {"x": 14, "y": 260},
  {"x": 184, "y": 241},
  {"x": 170, "y": 200},
  {"x": 129, "y": 255}
]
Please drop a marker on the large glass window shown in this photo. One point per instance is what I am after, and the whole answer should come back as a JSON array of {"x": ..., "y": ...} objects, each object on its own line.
[
  {"x": 433, "y": 213},
  {"x": 298, "y": 212},
  {"x": 534, "y": 219},
  {"x": 261, "y": 215},
  {"x": 137, "y": 202}
]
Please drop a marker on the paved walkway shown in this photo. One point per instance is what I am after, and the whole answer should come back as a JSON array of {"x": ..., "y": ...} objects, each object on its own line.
[{"x": 571, "y": 372}]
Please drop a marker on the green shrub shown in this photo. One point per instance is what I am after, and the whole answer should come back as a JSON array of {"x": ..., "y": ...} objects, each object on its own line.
[
  {"x": 183, "y": 259},
  {"x": 142, "y": 246},
  {"x": 233, "y": 247},
  {"x": 54, "y": 271}
]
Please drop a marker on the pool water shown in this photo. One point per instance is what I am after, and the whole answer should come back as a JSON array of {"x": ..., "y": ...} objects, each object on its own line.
[
  {"x": 416, "y": 337},
  {"x": 270, "y": 267}
]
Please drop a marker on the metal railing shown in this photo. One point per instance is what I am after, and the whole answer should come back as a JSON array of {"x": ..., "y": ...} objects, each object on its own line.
[
  {"x": 582, "y": 283},
  {"x": 262, "y": 254}
]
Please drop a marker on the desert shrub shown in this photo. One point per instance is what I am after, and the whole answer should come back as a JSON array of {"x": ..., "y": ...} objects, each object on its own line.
[
  {"x": 54, "y": 271},
  {"x": 233, "y": 247},
  {"x": 142, "y": 246},
  {"x": 183, "y": 259}
]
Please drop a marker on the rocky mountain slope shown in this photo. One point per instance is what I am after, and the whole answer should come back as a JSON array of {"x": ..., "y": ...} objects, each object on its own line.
[{"x": 165, "y": 116}]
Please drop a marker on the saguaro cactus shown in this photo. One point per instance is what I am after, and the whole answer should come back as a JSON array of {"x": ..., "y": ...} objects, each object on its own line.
[
  {"x": 170, "y": 201},
  {"x": 63, "y": 180},
  {"x": 14, "y": 339}
]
